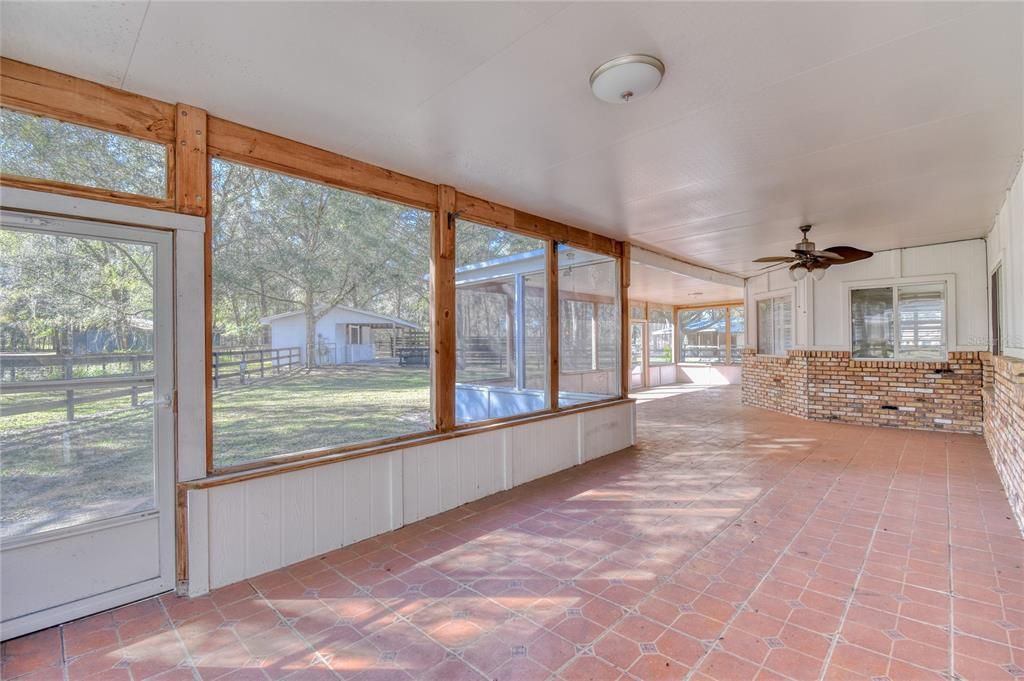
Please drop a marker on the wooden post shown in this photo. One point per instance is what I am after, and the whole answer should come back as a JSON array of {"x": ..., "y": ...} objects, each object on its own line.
[
  {"x": 595, "y": 334},
  {"x": 190, "y": 163},
  {"x": 553, "y": 322},
  {"x": 135, "y": 388},
  {"x": 261, "y": 362},
  {"x": 442, "y": 270},
  {"x": 626, "y": 358},
  {"x": 216, "y": 370},
  {"x": 69, "y": 395}
]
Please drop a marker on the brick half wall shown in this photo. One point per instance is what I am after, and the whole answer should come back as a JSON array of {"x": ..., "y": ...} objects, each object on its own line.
[
  {"x": 1004, "y": 426},
  {"x": 831, "y": 386}
]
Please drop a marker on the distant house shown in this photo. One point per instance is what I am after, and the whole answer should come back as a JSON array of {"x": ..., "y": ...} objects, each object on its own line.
[{"x": 344, "y": 335}]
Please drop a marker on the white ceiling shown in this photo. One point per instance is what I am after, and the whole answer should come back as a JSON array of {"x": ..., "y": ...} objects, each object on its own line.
[
  {"x": 654, "y": 284},
  {"x": 885, "y": 124}
]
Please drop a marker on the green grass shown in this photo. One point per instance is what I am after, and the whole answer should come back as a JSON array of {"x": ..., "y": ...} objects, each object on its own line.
[
  {"x": 53, "y": 473},
  {"x": 323, "y": 408}
]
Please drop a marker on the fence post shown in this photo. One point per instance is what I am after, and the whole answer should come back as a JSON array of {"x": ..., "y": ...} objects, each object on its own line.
[
  {"x": 69, "y": 394},
  {"x": 241, "y": 369},
  {"x": 135, "y": 388},
  {"x": 261, "y": 362},
  {"x": 216, "y": 370}
]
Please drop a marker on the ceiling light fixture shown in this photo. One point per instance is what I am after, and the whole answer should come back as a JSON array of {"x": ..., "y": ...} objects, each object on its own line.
[{"x": 626, "y": 78}]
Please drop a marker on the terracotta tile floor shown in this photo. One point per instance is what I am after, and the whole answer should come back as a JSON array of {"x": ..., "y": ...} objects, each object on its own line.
[{"x": 731, "y": 543}]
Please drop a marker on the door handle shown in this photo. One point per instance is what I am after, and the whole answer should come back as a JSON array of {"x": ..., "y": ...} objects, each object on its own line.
[{"x": 162, "y": 401}]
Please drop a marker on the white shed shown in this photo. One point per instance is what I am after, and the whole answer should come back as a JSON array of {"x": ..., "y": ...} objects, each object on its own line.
[{"x": 344, "y": 335}]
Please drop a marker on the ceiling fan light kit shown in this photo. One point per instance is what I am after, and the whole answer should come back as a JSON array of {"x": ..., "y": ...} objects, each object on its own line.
[{"x": 808, "y": 260}]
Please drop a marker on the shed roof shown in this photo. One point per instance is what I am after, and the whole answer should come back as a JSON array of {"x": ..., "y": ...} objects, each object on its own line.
[{"x": 380, "y": 318}]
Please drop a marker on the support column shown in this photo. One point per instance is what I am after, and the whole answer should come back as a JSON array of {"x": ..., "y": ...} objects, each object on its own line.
[{"x": 442, "y": 270}]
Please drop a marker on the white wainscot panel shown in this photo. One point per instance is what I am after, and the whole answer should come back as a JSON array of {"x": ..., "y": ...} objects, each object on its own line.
[
  {"x": 604, "y": 431},
  {"x": 263, "y": 524},
  {"x": 447, "y": 474},
  {"x": 542, "y": 448}
]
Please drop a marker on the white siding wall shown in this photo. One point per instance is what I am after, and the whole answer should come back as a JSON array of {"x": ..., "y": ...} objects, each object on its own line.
[
  {"x": 1006, "y": 248},
  {"x": 244, "y": 529},
  {"x": 821, "y": 308},
  {"x": 289, "y": 332}
]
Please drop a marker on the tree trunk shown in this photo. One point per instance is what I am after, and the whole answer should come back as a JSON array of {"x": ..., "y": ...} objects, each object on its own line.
[{"x": 310, "y": 312}]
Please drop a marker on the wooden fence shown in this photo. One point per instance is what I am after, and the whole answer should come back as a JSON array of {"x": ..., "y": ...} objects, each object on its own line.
[
  {"x": 245, "y": 364},
  {"x": 135, "y": 379}
]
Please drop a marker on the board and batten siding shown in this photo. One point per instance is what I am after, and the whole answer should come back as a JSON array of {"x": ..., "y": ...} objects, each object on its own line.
[
  {"x": 821, "y": 308},
  {"x": 1006, "y": 250},
  {"x": 244, "y": 529}
]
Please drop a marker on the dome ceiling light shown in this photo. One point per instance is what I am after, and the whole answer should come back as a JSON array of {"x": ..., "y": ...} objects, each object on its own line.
[{"x": 625, "y": 79}]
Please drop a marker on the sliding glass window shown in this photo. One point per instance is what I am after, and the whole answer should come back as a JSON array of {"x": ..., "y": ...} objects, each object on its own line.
[
  {"x": 589, "y": 333},
  {"x": 321, "y": 309},
  {"x": 500, "y": 323}
]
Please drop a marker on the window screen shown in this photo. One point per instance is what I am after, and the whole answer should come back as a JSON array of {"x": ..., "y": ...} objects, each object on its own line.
[{"x": 48, "y": 149}]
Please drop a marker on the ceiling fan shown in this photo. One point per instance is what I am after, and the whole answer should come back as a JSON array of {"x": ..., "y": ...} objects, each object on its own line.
[{"x": 808, "y": 259}]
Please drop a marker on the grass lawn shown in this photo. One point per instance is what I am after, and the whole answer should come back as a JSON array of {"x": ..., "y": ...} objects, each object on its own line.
[{"x": 54, "y": 474}]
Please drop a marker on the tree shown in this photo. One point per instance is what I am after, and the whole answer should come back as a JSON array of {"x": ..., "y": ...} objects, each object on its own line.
[{"x": 281, "y": 243}]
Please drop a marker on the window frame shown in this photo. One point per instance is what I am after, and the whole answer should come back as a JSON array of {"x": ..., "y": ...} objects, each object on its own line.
[
  {"x": 550, "y": 403},
  {"x": 789, "y": 292},
  {"x": 997, "y": 307},
  {"x": 320, "y": 452},
  {"x": 728, "y": 306},
  {"x": 673, "y": 321},
  {"x": 948, "y": 282},
  {"x": 194, "y": 142},
  {"x": 555, "y": 325},
  {"x": 166, "y": 202}
]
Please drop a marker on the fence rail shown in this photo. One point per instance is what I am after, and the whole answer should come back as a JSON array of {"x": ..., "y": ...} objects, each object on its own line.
[{"x": 245, "y": 364}]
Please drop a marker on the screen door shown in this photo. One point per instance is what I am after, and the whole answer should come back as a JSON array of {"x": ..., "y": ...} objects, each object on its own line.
[{"x": 86, "y": 418}]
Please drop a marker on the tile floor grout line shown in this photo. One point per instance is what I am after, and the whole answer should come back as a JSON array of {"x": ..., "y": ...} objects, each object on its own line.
[
  {"x": 317, "y": 657},
  {"x": 541, "y": 626},
  {"x": 732, "y": 521},
  {"x": 860, "y": 571},
  {"x": 177, "y": 634},
  {"x": 782, "y": 552},
  {"x": 63, "y": 653},
  {"x": 711, "y": 539}
]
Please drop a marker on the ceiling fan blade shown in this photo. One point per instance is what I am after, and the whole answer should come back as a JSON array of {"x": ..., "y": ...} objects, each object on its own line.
[
  {"x": 826, "y": 254},
  {"x": 776, "y": 258},
  {"x": 849, "y": 254}
]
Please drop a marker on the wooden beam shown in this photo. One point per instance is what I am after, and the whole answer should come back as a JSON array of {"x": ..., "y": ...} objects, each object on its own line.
[
  {"x": 246, "y": 145},
  {"x": 67, "y": 189},
  {"x": 553, "y": 322},
  {"x": 574, "y": 236},
  {"x": 705, "y": 306},
  {"x": 263, "y": 469},
  {"x": 181, "y": 535},
  {"x": 43, "y": 92},
  {"x": 442, "y": 269},
  {"x": 484, "y": 212},
  {"x": 190, "y": 163},
  {"x": 625, "y": 351}
]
